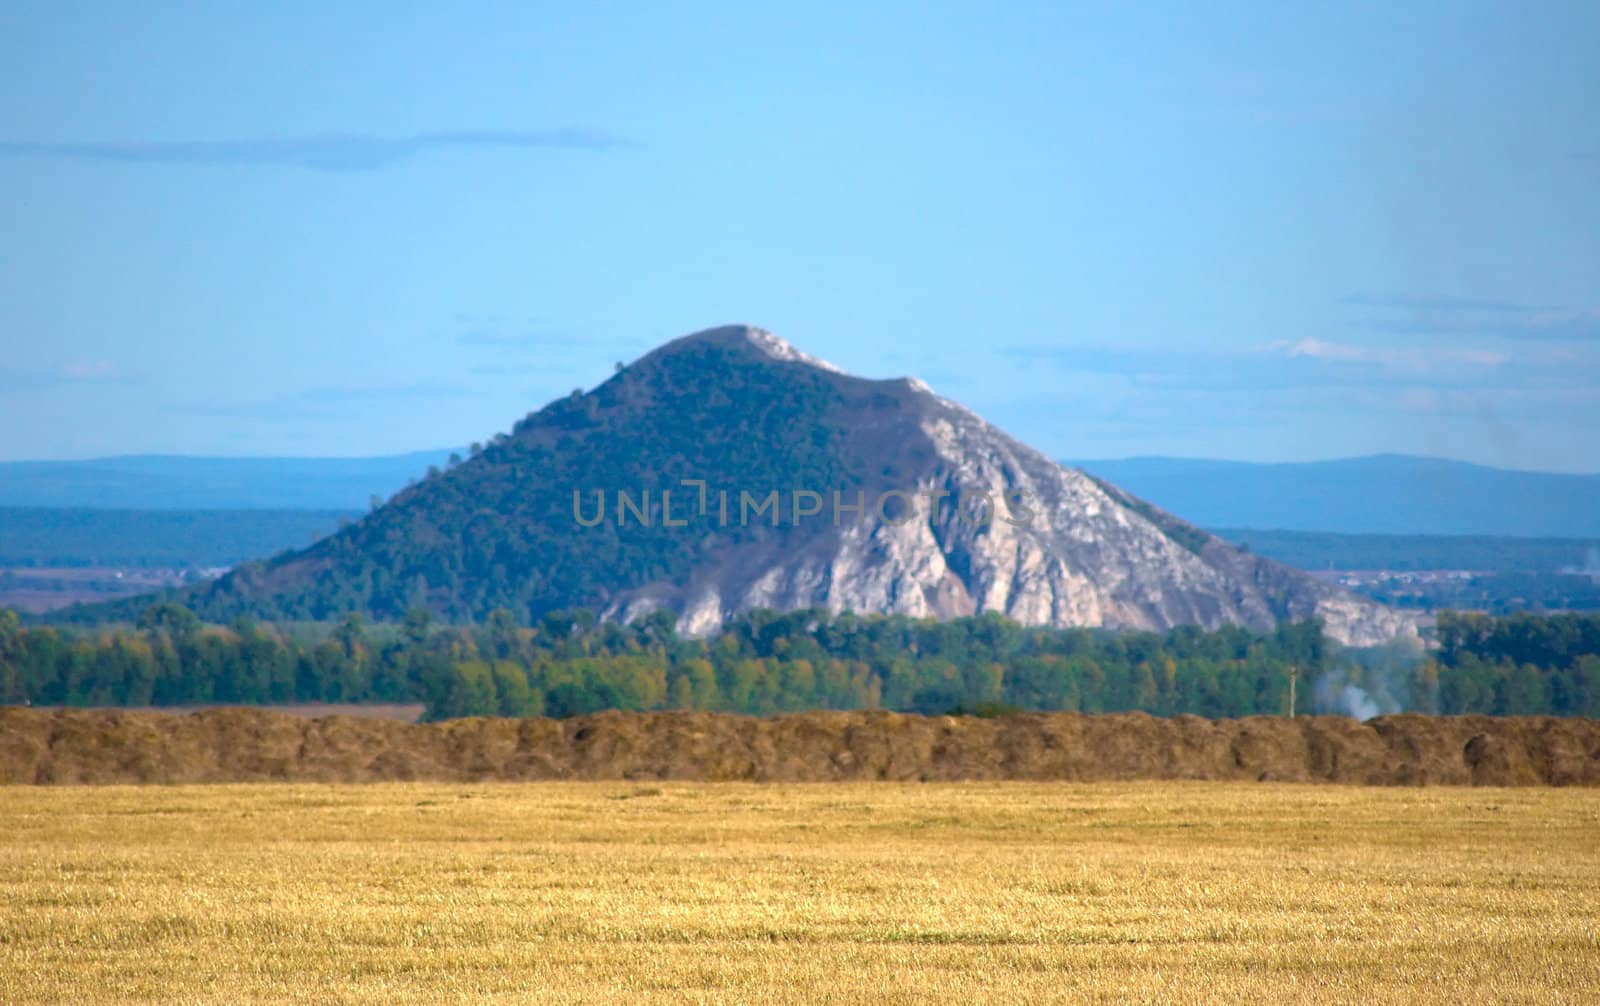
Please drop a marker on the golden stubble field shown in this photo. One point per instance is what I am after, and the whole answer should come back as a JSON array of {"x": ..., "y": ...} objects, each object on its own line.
[{"x": 994, "y": 892}]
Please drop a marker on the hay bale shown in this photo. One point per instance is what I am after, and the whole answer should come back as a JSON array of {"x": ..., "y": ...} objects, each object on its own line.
[{"x": 72, "y": 746}]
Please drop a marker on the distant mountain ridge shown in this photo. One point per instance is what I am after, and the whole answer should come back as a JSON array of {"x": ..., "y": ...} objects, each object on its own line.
[
  {"x": 1380, "y": 494},
  {"x": 739, "y": 410},
  {"x": 156, "y": 539},
  {"x": 179, "y": 482}
]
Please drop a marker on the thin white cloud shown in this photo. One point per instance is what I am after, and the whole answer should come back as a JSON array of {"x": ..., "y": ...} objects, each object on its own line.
[
  {"x": 337, "y": 152},
  {"x": 1318, "y": 349},
  {"x": 92, "y": 369},
  {"x": 1420, "y": 359},
  {"x": 1412, "y": 315},
  {"x": 76, "y": 371}
]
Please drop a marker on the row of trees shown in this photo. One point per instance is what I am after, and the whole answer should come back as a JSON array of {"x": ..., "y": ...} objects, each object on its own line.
[
  {"x": 1516, "y": 665},
  {"x": 768, "y": 662}
]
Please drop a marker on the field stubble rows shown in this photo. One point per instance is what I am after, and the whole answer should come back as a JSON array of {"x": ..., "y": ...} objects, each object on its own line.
[{"x": 983, "y": 892}]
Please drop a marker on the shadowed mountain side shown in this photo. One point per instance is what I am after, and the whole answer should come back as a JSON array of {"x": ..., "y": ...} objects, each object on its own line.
[{"x": 244, "y": 745}]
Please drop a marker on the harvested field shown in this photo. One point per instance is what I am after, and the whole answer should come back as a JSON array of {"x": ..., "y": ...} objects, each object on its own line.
[
  {"x": 242, "y": 745},
  {"x": 894, "y": 893}
]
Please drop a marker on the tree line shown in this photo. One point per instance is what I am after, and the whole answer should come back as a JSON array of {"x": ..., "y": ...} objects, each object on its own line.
[
  {"x": 769, "y": 662},
  {"x": 1518, "y": 664}
]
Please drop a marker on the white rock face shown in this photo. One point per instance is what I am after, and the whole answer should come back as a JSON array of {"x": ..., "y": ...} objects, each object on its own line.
[
  {"x": 778, "y": 349},
  {"x": 1086, "y": 555}
]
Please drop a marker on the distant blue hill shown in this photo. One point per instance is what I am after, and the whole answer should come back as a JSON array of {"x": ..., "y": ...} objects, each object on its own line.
[
  {"x": 162, "y": 482},
  {"x": 1382, "y": 494}
]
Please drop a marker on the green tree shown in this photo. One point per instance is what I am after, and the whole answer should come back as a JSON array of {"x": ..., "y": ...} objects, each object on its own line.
[
  {"x": 167, "y": 620},
  {"x": 680, "y": 694},
  {"x": 470, "y": 691},
  {"x": 418, "y": 623},
  {"x": 702, "y": 678},
  {"x": 515, "y": 693},
  {"x": 11, "y": 686}
]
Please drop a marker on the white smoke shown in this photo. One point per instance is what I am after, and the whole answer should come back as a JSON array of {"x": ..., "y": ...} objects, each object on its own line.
[
  {"x": 1590, "y": 567},
  {"x": 1371, "y": 682},
  {"x": 1336, "y": 694}
]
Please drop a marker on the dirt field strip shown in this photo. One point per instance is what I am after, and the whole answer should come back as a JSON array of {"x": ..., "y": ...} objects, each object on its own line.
[
  {"x": 247, "y": 745},
  {"x": 900, "y": 893}
]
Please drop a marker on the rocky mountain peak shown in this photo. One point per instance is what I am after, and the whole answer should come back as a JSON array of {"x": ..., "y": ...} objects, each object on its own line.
[{"x": 745, "y": 338}]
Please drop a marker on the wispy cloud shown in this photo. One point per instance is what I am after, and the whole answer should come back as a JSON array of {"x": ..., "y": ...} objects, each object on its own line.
[
  {"x": 325, "y": 402},
  {"x": 521, "y": 369},
  {"x": 94, "y": 369},
  {"x": 341, "y": 393},
  {"x": 1315, "y": 363},
  {"x": 484, "y": 339},
  {"x": 77, "y": 371},
  {"x": 1208, "y": 369},
  {"x": 1465, "y": 316},
  {"x": 1559, "y": 404},
  {"x": 1118, "y": 360},
  {"x": 336, "y": 152},
  {"x": 1405, "y": 358},
  {"x": 1416, "y": 302},
  {"x": 513, "y": 339}
]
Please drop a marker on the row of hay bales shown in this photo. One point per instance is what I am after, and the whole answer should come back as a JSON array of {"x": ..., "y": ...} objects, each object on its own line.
[{"x": 248, "y": 745}]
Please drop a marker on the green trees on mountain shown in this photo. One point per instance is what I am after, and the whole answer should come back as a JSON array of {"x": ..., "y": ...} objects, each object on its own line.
[{"x": 496, "y": 530}]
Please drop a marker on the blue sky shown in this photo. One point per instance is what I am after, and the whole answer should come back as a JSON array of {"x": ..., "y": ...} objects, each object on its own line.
[{"x": 1267, "y": 232}]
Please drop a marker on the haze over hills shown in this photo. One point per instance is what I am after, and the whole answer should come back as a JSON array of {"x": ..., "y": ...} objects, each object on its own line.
[
  {"x": 1382, "y": 494},
  {"x": 33, "y": 537},
  {"x": 172, "y": 482},
  {"x": 749, "y": 415}
]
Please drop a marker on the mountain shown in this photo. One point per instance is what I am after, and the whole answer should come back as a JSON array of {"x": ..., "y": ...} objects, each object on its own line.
[
  {"x": 164, "y": 482},
  {"x": 1383, "y": 494},
  {"x": 784, "y": 444}
]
